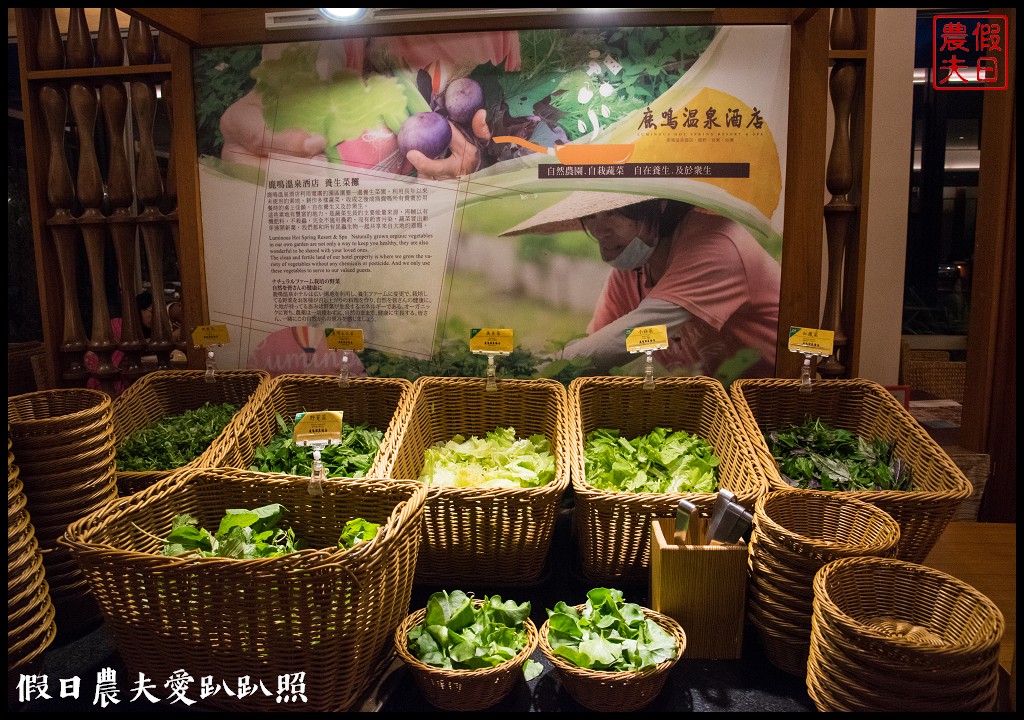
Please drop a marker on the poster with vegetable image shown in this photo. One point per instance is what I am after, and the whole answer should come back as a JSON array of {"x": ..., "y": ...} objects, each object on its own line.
[{"x": 568, "y": 184}]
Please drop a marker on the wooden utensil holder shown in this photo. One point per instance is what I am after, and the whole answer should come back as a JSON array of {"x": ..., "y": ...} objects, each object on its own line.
[{"x": 701, "y": 586}]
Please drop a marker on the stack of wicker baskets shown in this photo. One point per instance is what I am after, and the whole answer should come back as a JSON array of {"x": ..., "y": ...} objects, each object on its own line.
[
  {"x": 614, "y": 528},
  {"x": 894, "y": 636},
  {"x": 370, "y": 401},
  {"x": 64, "y": 443},
  {"x": 794, "y": 535},
  {"x": 326, "y": 613},
  {"x": 166, "y": 393},
  {"x": 30, "y": 613},
  {"x": 498, "y": 536},
  {"x": 609, "y": 690},
  {"x": 867, "y": 409},
  {"x": 463, "y": 690}
]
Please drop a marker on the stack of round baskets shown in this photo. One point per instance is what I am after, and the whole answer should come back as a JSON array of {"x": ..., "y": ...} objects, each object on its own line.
[
  {"x": 609, "y": 690},
  {"x": 64, "y": 442},
  {"x": 463, "y": 690},
  {"x": 30, "y": 613},
  {"x": 794, "y": 535},
  {"x": 893, "y": 636}
]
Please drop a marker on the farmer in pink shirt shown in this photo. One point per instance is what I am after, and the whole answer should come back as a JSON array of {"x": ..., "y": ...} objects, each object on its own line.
[{"x": 703, "y": 276}]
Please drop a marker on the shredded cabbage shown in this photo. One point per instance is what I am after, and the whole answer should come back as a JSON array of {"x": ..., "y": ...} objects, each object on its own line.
[{"x": 499, "y": 460}]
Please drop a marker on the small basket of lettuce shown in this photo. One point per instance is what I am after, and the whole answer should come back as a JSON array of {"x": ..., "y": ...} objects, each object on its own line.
[
  {"x": 496, "y": 466},
  {"x": 637, "y": 452},
  {"x": 611, "y": 655},
  {"x": 468, "y": 654}
]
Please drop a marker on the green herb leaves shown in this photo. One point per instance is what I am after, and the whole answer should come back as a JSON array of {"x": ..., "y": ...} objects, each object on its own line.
[
  {"x": 610, "y": 634},
  {"x": 243, "y": 534},
  {"x": 458, "y": 635},
  {"x": 351, "y": 458},
  {"x": 250, "y": 534},
  {"x": 662, "y": 461},
  {"x": 815, "y": 456},
  {"x": 356, "y": 531},
  {"x": 499, "y": 460},
  {"x": 174, "y": 441}
]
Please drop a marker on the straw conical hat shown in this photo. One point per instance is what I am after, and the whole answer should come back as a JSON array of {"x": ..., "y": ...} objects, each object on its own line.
[{"x": 564, "y": 215}]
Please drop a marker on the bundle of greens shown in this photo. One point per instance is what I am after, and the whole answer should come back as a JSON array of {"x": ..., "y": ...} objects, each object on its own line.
[
  {"x": 351, "y": 458},
  {"x": 174, "y": 441},
  {"x": 610, "y": 634},
  {"x": 250, "y": 534},
  {"x": 499, "y": 460},
  {"x": 662, "y": 461},
  {"x": 458, "y": 635},
  {"x": 815, "y": 456}
]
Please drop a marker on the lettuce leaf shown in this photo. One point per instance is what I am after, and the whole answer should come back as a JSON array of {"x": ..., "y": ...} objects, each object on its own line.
[
  {"x": 662, "y": 461},
  {"x": 498, "y": 460}
]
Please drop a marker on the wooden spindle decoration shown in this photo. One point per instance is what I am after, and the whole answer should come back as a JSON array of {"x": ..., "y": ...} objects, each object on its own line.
[
  {"x": 170, "y": 199},
  {"x": 140, "y": 42},
  {"x": 123, "y": 227},
  {"x": 93, "y": 225},
  {"x": 149, "y": 190},
  {"x": 60, "y": 194},
  {"x": 109, "y": 46},
  {"x": 80, "y": 51},
  {"x": 49, "y": 45},
  {"x": 839, "y": 212}
]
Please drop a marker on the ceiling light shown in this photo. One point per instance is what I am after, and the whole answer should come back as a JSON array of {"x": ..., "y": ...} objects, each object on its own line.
[{"x": 342, "y": 14}]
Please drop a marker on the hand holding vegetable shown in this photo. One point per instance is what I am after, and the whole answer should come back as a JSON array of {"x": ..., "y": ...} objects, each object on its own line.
[{"x": 464, "y": 157}]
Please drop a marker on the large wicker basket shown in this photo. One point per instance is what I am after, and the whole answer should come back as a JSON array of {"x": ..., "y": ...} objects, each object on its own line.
[
  {"x": 166, "y": 393},
  {"x": 463, "y": 690},
  {"x": 613, "y": 528},
  {"x": 889, "y": 635},
  {"x": 867, "y": 409},
  {"x": 324, "y": 612},
  {"x": 498, "y": 536},
  {"x": 370, "y": 401},
  {"x": 612, "y": 691}
]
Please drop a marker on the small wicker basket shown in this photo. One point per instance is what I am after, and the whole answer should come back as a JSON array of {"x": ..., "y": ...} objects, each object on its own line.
[
  {"x": 867, "y": 409},
  {"x": 166, "y": 393},
  {"x": 324, "y": 612},
  {"x": 498, "y": 536},
  {"x": 463, "y": 690},
  {"x": 890, "y": 635},
  {"x": 794, "y": 535},
  {"x": 610, "y": 691},
  {"x": 613, "y": 528},
  {"x": 370, "y": 401}
]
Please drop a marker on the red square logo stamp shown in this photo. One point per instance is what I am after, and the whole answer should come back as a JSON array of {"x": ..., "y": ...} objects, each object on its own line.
[{"x": 969, "y": 52}]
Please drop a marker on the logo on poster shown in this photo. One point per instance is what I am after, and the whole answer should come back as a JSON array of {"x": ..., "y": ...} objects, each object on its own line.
[{"x": 969, "y": 52}]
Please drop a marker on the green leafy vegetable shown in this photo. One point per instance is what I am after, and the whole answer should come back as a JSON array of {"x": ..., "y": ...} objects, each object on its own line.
[
  {"x": 499, "y": 460},
  {"x": 815, "y": 456},
  {"x": 243, "y": 534},
  {"x": 610, "y": 634},
  {"x": 662, "y": 461},
  {"x": 458, "y": 635},
  {"x": 248, "y": 534},
  {"x": 174, "y": 441},
  {"x": 356, "y": 531},
  {"x": 351, "y": 458}
]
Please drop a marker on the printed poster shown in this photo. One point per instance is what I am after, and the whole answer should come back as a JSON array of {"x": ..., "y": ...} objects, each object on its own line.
[{"x": 566, "y": 184}]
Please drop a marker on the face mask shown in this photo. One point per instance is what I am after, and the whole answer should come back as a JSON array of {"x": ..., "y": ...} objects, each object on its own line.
[{"x": 633, "y": 255}]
